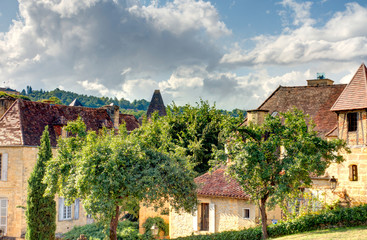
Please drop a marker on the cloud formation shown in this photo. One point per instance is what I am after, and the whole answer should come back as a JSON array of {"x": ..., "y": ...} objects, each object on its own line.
[
  {"x": 342, "y": 38},
  {"x": 124, "y": 48},
  {"x": 73, "y": 43}
]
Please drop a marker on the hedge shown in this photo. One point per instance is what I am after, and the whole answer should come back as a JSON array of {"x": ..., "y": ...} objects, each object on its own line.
[{"x": 341, "y": 217}]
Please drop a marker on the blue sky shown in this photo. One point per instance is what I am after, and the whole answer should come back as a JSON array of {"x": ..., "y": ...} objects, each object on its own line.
[{"x": 233, "y": 53}]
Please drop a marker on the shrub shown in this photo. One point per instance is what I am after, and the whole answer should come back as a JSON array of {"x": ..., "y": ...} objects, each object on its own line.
[
  {"x": 159, "y": 222},
  {"x": 125, "y": 230},
  {"x": 340, "y": 217}
]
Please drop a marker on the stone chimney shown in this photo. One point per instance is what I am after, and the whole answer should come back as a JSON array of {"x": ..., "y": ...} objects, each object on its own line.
[
  {"x": 256, "y": 116},
  {"x": 5, "y": 103},
  {"x": 320, "y": 81},
  {"x": 114, "y": 113}
]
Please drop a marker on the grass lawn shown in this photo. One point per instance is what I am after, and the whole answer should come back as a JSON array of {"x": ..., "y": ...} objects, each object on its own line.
[{"x": 330, "y": 234}]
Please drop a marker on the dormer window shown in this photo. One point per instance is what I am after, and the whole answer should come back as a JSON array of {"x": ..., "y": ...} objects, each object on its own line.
[{"x": 352, "y": 122}]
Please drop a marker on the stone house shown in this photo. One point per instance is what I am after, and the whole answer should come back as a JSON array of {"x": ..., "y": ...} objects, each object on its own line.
[
  {"x": 338, "y": 111},
  {"x": 21, "y": 125},
  {"x": 222, "y": 206}
]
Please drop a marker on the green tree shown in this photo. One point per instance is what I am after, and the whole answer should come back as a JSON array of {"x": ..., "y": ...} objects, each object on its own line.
[
  {"x": 271, "y": 160},
  {"x": 41, "y": 210},
  {"x": 111, "y": 171},
  {"x": 197, "y": 130}
]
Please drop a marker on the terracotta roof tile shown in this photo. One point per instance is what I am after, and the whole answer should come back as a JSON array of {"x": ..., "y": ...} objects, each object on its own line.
[
  {"x": 354, "y": 95},
  {"x": 130, "y": 120},
  {"x": 313, "y": 100},
  {"x": 217, "y": 184}
]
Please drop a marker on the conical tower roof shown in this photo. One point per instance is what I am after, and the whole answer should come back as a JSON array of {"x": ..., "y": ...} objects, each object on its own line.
[
  {"x": 76, "y": 103},
  {"x": 354, "y": 95},
  {"x": 156, "y": 104}
]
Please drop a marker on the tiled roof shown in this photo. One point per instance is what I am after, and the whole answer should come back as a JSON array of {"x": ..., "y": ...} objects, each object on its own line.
[
  {"x": 217, "y": 184},
  {"x": 156, "y": 104},
  {"x": 130, "y": 120},
  {"x": 354, "y": 95},
  {"x": 313, "y": 100},
  {"x": 24, "y": 121}
]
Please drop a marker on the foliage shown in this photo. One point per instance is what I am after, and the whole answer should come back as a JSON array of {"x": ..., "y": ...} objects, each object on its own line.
[
  {"x": 159, "y": 222},
  {"x": 340, "y": 217},
  {"x": 55, "y": 100},
  {"x": 67, "y": 97},
  {"x": 125, "y": 230},
  {"x": 136, "y": 113},
  {"x": 4, "y": 94},
  {"x": 111, "y": 172},
  {"x": 272, "y": 159},
  {"x": 196, "y": 129},
  {"x": 299, "y": 203},
  {"x": 41, "y": 210}
]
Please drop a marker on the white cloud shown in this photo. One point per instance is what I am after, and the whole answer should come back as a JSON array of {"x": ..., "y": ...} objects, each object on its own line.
[
  {"x": 62, "y": 42},
  {"x": 343, "y": 38}
]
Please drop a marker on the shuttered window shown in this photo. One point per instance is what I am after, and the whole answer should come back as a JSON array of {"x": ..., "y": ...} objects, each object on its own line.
[
  {"x": 353, "y": 173},
  {"x": 4, "y": 167},
  {"x": 3, "y": 214}
]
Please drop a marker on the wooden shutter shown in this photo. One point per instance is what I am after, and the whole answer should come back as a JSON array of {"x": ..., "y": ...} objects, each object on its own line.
[
  {"x": 61, "y": 209},
  {"x": 212, "y": 217},
  {"x": 76, "y": 209},
  {"x": 4, "y": 167}
]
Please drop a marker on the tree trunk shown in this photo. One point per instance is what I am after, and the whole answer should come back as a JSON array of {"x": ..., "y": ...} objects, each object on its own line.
[
  {"x": 114, "y": 223},
  {"x": 264, "y": 218}
]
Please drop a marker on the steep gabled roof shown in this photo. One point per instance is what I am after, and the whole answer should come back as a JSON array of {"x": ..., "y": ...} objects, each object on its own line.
[
  {"x": 24, "y": 122},
  {"x": 130, "y": 120},
  {"x": 216, "y": 184},
  {"x": 354, "y": 95},
  {"x": 76, "y": 103},
  {"x": 313, "y": 100},
  {"x": 156, "y": 104}
]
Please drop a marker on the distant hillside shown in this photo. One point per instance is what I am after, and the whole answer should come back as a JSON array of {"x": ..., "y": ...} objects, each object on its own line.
[{"x": 67, "y": 97}]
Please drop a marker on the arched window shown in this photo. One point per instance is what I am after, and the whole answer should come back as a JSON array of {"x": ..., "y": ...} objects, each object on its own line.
[{"x": 353, "y": 173}]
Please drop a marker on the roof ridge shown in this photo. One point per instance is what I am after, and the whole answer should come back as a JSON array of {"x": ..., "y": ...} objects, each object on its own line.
[{"x": 270, "y": 96}]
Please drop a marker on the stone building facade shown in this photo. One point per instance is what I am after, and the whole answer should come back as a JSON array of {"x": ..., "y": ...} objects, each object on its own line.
[
  {"x": 222, "y": 206},
  {"x": 21, "y": 125},
  {"x": 338, "y": 111}
]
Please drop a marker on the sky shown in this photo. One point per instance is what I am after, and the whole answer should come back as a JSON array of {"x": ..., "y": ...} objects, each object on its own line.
[{"x": 233, "y": 53}]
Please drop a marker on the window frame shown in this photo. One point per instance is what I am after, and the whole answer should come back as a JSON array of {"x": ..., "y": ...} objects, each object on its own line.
[
  {"x": 244, "y": 213},
  {"x": 352, "y": 121},
  {"x": 353, "y": 172}
]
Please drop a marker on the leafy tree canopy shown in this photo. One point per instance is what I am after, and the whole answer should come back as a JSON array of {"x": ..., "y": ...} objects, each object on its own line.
[
  {"x": 110, "y": 171},
  {"x": 273, "y": 159},
  {"x": 197, "y": 129}
]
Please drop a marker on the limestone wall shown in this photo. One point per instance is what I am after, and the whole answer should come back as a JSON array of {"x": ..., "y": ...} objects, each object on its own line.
[
  {"x": 146, "y": 212},
  {"x": 228, "y": 216},
  {"x": 21, "y": 161},
  {"x": 355, "y": 190}
]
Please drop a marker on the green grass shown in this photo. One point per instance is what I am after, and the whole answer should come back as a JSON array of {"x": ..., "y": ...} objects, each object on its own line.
[{"x": 347, "y": 233}]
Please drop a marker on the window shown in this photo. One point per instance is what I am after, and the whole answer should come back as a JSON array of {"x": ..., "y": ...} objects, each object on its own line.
[
  {"x": 3, "y": 214},
  {"x": 204, "y": 223},
  {"x": 64, "y": 211},
  {"x": 3, "y": 167},
  {"x": 246, "y": 213},
  {"x": 353, "y": 173},
  {"x": 352, "y": 122}
]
